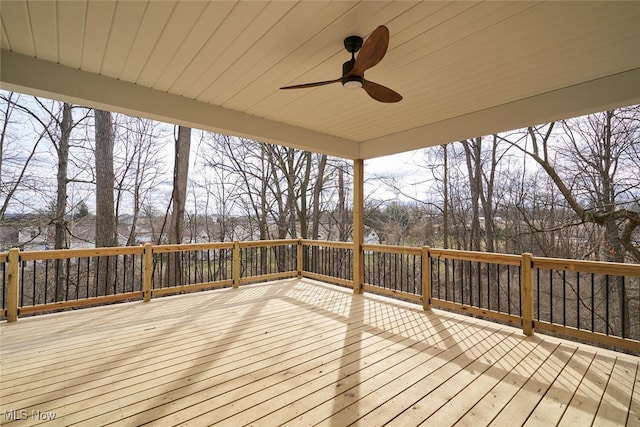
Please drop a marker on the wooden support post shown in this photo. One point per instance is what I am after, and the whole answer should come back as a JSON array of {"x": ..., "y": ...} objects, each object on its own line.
[
  {"x": 526, "y": 293},
  {"x": 358, "y": 225},
  {"x": 426, "y": 278},
  {"x": 13, "y": 284},
  {"x": 148, "y": 272},
  {"x": 236, "y": 264},
  {"x": 299, "y": 259}
]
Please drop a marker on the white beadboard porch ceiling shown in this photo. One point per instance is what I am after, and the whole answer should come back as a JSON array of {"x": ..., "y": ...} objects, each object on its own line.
[{"x": 464, "y": 68}]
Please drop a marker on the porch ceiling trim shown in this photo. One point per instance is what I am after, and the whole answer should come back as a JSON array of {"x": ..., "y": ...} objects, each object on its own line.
[
  {"x": 37, "y": 77},
  {"x": 606, "y": 93}
]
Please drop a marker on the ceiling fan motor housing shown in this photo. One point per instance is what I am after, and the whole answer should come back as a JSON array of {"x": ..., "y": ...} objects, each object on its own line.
[{"x": 351, "y": 82}]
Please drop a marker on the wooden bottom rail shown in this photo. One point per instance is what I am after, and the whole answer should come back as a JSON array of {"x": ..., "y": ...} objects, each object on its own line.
[
  {"x": 79, "y": 303},
  {"x": 392, "y": 293},
  {"x": 593, "y": 337},
  {"x": 272, "y": 276},
  {"x": 328, "y": 279},
  {"x": 191, "y": 288},
  {"x": 502, "y": 317}
]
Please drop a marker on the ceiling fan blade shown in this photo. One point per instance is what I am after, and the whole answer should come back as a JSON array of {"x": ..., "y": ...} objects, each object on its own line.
[
  {"x": 372, "y": 51},
  {"x": 381, "y": 93},
  {"x": 328, "y": 82}
]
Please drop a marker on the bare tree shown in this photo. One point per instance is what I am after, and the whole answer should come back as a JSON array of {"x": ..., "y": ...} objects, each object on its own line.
[{"x": 180, "y": 176}]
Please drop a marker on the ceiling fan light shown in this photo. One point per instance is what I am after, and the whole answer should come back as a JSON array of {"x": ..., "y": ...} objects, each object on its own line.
[{"x": 353, "y": 82}]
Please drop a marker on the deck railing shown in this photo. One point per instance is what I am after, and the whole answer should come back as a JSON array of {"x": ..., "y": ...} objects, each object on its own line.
[{"x": 594, "y": 301}]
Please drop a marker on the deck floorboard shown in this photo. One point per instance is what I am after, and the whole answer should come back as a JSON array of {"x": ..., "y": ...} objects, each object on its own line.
[{"x": 301, "y": 352}]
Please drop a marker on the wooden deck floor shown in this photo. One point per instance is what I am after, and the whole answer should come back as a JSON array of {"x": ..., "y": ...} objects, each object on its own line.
[{"x": 298, "y": 353}]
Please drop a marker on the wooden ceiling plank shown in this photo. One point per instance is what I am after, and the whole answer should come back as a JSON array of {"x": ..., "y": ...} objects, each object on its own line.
[
  {"x": 15, "y": 17},
  {"x": 180, "y": 23},
  {"x": 4, "y": 38},
  {"x": 126, "y": 23},
  {"x": 457, "y": 24},
  {"x": 254, "y": 30},
  {"x": 192, "y": 48},
  {"x": 98, "y": 25},
  {"x": 153, "y": 22},
  {"x": 44, "y": 28},
  {"x": 259, "y": 57},
  {"x": 197, "y": 71},
  {"x": 71, "y": 23}
]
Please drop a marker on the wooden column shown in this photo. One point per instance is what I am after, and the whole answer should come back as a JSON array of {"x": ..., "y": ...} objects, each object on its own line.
[
  {"x": 148, "y": 272},
  {"x": 526, "y": 293},
  {"x": 236, "y": 264},
  {"x": 299, "y": 260},
  {"x": 358, "y": 225},
  {"x": 426, "y": 278},
  {"x": 13, "y": 278}
]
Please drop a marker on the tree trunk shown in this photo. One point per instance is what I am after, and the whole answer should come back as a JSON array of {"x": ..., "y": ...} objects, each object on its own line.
[
  {"x": 317, "y": 192},
  {"x": 60, "y": 220},
  {"x": 178, "y": 200},
  {"x": 105, "y": 220}
]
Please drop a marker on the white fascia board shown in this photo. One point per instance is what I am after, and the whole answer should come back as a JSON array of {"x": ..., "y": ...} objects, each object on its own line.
[
  {"x": 615, "y": 91},
  {"x": 37, "y": 77}
]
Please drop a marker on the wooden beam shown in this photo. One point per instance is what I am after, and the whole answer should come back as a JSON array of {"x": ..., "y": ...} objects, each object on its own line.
[
  {"x": 526, "y": 293},
  {"x": 148, "y": 272},
  {"x": 606, "y": 93},
  {"x": 236, "y": 264},
  {"x": 358, "y": 225},
  {"x": 38, "y": 77},
  {"x": 13, "y": 282}
]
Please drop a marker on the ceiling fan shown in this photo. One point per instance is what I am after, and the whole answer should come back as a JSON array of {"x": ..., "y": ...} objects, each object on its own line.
[{"x": 372, "y": 52}]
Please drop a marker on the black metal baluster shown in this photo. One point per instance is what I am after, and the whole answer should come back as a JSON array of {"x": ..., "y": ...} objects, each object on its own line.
[
  {"x": 578, "y": 299},
  {"x": 453, "y": 280},
  {"x": 3, "y": 268},
  {"x": 537, "y": 293},
  {"x": 550, "y": 296},
  {"x": 564, "y": 298},
  {"x": 398, "y": 274},
  {"x": 33, "y": 294},
  {"x": 520, "y": 292},
  {"x": 88, "y": 276},
  {"x": 78, "y": 278},
  {"x": 417, "y": 290},
  {"x": 624, "y": 293},
  {"x": 489, "y": 286},
  {"x": 479, "y": 281},
  {"x": 606, "y": 304},
  {"x": 46, "y": 277},
  {"x": 498, "y": 290},
  {"x": 593, "y": 307},
  {"x": 508, "y": 289},
  {"x": 438, "y": 274},
  {"x": 68, "y": 271}
]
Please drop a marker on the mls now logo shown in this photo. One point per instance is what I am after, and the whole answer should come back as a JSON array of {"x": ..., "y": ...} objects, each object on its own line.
[
  {"x": 23, "y": 414},
  {"x": 16, "y": 414}
]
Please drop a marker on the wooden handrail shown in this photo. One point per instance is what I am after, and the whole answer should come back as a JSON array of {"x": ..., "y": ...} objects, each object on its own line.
[
  {"x": 191, "y": 247},
  {"x": 597, "y": 267},
  {"x": 489, "y": 257},
  {"x": 80, "y": 253},
  {"x": 328, "y": 244},
  {"x": 392, "y": 249},
  {"x": 268, "y": 243}
]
